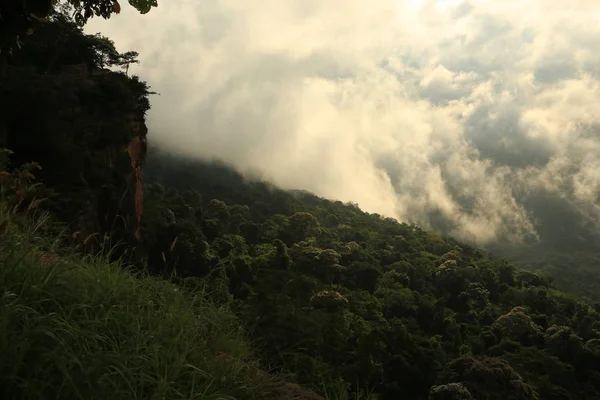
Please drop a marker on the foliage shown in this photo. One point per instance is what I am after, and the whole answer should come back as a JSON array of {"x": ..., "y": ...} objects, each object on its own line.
[
  {"x": 18, "y": 18},
  {"x": 61, "y": 107},
  {"x": 351, "y": 304},
  {"x": 329, "y": 291},
  {"x": 572, "y": 271},
  {"x": 451, "y": 391},
  {"x": 73, "y": 328}
]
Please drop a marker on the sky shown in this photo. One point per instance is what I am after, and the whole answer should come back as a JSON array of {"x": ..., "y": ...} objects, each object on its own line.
[{"x": 478, "y": 119}]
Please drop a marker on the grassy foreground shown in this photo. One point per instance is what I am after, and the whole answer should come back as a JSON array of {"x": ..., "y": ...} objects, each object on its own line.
[{"x": 73, "y": 328}]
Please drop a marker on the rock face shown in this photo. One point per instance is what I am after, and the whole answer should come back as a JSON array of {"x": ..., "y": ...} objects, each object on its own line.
[
  {"x": 137, "y": 149},
  {"x": 87, "y": 130}
]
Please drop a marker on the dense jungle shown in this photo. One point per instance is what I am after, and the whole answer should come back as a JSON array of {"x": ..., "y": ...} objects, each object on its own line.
[{"x": 131, "y": 272}]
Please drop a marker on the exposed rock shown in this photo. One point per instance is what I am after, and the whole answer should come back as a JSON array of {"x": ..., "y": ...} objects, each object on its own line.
[
  {"x": 90, "y": 139},
  {"x": 137, "y": 150}
]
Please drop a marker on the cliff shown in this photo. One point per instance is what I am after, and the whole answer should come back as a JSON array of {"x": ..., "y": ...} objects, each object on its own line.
[
  {"x": 86, "y": 127},
  {"x": 137, "y": 149}
]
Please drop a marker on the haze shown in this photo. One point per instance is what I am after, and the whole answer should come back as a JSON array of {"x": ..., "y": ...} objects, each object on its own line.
[{"x": 477, "y": 119}]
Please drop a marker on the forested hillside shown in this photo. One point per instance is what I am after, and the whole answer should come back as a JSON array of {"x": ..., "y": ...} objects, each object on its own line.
[
  {"x": 344, "y": 303},
  {"x": 575, "y": 272},
  {"x": 331, "y": 292}
]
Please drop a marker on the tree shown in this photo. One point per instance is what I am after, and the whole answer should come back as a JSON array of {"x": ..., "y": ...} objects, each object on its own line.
[
  {"x": 62, "y": 43},
  {"x": 19, "y": 17},
  {"x": 451, "y": 391},
  {"x": 516, "y": 325},
  {"x": 302, "y": 225},
  {"x": 562, "y": 342},
  {"x": 126, "y": 59},
  {"x": 488, "y": 379}
]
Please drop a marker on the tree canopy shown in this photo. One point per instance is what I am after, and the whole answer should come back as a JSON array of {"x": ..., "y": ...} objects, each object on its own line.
[{"x": 19, "y": 18}]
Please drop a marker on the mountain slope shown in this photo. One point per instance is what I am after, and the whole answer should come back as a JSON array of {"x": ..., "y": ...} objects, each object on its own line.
[
  {"x": 76, "y": 327},
  {"x": 331, "y": 292}
]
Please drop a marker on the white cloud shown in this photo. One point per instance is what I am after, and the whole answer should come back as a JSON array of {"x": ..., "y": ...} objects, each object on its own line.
[{"x": 449, "y": 113}]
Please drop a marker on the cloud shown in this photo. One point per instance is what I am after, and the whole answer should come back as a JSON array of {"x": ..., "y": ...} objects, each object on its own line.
[{"x": 470, "y": 118}]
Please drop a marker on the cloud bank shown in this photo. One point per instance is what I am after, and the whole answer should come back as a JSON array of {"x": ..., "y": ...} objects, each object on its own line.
[{"x": 479, "y": 119}]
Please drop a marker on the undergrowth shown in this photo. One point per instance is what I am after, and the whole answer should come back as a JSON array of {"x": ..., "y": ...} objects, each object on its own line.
[{"x": 85, "y": 328}]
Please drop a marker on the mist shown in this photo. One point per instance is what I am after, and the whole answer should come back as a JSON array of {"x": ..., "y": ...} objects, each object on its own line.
[{"x": 477, "y": 119}]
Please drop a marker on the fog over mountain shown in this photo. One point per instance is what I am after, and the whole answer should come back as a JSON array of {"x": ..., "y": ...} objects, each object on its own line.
[{"x": 479, "y": 119}]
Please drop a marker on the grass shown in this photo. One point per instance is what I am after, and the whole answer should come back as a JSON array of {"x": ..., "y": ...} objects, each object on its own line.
[{"x": 88, "y": 329}]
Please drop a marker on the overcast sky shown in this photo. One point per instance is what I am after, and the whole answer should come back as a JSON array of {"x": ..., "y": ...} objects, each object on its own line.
[{"x": 456, "y": 115}]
